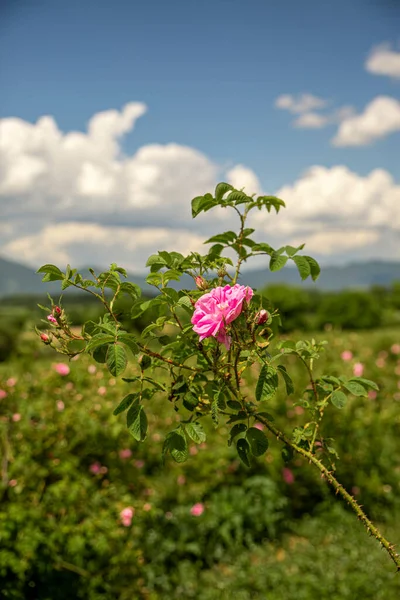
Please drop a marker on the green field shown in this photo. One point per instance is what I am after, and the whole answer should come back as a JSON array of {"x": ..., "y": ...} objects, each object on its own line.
[{"x": 273, "y": 531}]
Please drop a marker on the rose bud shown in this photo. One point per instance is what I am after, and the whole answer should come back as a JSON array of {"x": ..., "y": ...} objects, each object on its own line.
[
  {"x": 57, "y": 310},
  {"x": 261, "y": 317},
  {"x": 201, "y": 283},
  {"x": 45, "y": 338}
]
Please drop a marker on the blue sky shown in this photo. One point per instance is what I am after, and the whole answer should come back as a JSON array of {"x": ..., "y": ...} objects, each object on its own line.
[{"x": 209, "y": 73}]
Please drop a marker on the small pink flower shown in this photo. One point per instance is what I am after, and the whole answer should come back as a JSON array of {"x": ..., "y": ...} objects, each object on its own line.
[
  {"x": 16, "y": 417},
  {"x": 181, "y": 480},
  {"x": 57, "y": 310},
  {"x": 62, "y": 369},
  {"x": 299, "y": 410},
  {"x": 102, "y": 390},
  {"x": 380, "y": 363},
  {"x": 193, "y": 451},
  {"x": 92, "y": 369},
  {"x": 3, "y": 394},
  {"x": 125, "y": 453},
  {"x": 60, "y": 405},
  {"x": 11, "y": 382},
  {"x": 358, "y": 369},
  {"x": 395, "y": 349},
  {"x": 139, "y": 464},
  {"x": 372, "y": 394},
  {"x": 288, "y": 476},
  {"x": 51, "y": 319},
  {"x": 45, "y": 338},
  {"x": 346, "y": 355},
  {"x": 95, "y": 468},
  {"x": 259, "y": 426},
  {"x": 126, "y": 516},
  {"x": 216, "y": 309},
  {"x": 197, "y": 509},
  {"x": 12, "y": 482},
  {"x": 147, "y": 506}
]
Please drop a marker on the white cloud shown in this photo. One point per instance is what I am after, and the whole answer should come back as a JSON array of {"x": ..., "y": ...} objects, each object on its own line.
[
  {"x": 348, "y": 210},
  {"x": 380, "y": 118},
  {"x": 384, "y": 61},
  {"x": 243, "y": 177},
  {"x": 100, "y": 245},
  {"x": 299, "y": 104},
  {"x": 311, "y": 120}
]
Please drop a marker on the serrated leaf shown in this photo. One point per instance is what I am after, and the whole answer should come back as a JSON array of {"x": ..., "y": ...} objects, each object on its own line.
[
  {"x": 263, "y": 247},
  {"x": 234, "y": 405},
  {"x": 243, "y": 450},
  {"x": 100, "y": 339},
  {"x": 235, "y": 431},
  {"x": 303, "y": 266},
  {"x": 258, "y": 441},
  {"x": 367, "y": 383},
  {"x": 129, "y": 340},
  {"x": 277, "y": 261},
  {"x": 314, "y": 267},
  {"x": 124, "y": 404},
  {"x": 356, "y": 388},
  {"x": 196, "y": 432},
  {"x": 224, "y": 238},
  {"x": 132, "y": 289},
  {"x": 291, "y": 250},
  {"x": 238, "y": 197},
  {"x": 136, "y": 420},
  {"x": 116, "y": 359},
  {"x": 287, "y": 379},
  {"x": 338, "y": 399},
  {"x": 267, "y": 383},
  {"x": 100, "y": 354},
  {"x": 221, "y": 190},
  {"x": 175, "y": 443},
  {"x": 52, "y": 273}
]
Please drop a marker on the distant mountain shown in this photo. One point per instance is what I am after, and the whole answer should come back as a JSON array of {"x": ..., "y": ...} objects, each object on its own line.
[{"x": 17, "y": 279}]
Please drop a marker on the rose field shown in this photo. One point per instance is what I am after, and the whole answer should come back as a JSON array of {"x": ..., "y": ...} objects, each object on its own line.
[{"x": 88, "y": 512}]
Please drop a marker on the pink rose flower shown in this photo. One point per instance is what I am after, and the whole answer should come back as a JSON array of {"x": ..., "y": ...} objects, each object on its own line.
[
  {"x": 288, "y": 476},
  {"x": 125, "y": 453},
  {"x": 358, "y": 369},
  {"x": 3, "y": 394},
  {"x": 346, "y": 355},
  {"x": 52, "y": 319},
  {"x": 216, "y": 309},
  {"x": 16, "y": 417},
  {"x": 126, "y": 516},
  {"x": 261, "y": 317},
  {"x": 62, "y": 369},
  {"x": 95, "y": 468},
  {"x": 197, "y": 509}
]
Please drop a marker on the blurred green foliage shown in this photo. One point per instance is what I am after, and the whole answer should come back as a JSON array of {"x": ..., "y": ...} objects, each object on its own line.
[{"x": 262, "y": 533}]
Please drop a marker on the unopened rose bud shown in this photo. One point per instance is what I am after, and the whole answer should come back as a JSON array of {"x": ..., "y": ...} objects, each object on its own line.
[
  {"x": 45, "y": 338},
  {"x": 57, "y": 310},
  {"x": 221, "y": 272},
  {"x": 201, "y": 283},
  {"x": 262, "y": 317}
]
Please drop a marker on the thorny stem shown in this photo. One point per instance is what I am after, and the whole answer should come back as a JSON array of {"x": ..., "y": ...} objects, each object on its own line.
[{"x": 371, "y": 528}]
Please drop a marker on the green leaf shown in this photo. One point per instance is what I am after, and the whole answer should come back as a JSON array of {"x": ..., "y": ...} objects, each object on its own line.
[
  {"x": 235, "y": 431},
  {"x": 137, "y": 421},
  {"x": 196, "y": 432},
  {"x": 238, "y": 197},
  {"x": 100, "y": 339},
  {"x": 291, "y": 250},
  {"x": 243, "y": 450},
  {"x": 100, "y": 354},
  {"x": 234, "y": 405},
  {"x": 224, "y": 238},
  {"x": 338, "y": 399},
  {"x": 267, "y": 383},
  {"x": 277, "y": 261},
  {"x": 144, "y": 362},
  {"x": 52, "y": 273},
  {"x": 287, "y": 453},
  {"x": 314, "y": 267},
  {"x": 355, "y": 388},
  {"x": 258, "y": 441},
  {"x": 124, "y": 404},
  {"x": 263, "y": 247},
  {"x": 132, "y": 289},
  {"x": 221, "y": 190},
  {"x": 367, "y": 383},
  {"x": 287, "y": 379},
  {"x": 129, "y": 340},
  {"x": 116, "y": 359},
  {"x": 202, "y": 203},
  {"x": 175, "y": 443},
  {"x": 303, "y": 266}
]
